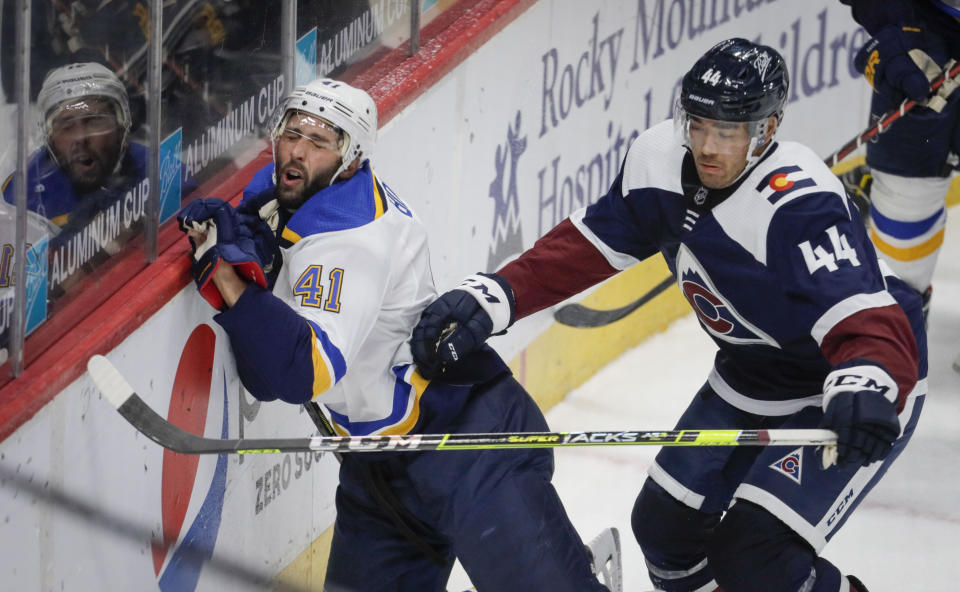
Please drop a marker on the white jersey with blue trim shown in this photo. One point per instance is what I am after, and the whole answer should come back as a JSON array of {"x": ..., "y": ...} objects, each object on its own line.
[
  {"x": 770, "y": 265},
  {"x": 356, "y": 267}
]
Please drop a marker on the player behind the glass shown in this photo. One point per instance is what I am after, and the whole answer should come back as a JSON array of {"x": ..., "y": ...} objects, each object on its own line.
[
  {"x": 87, "y": 162},
  {"x": 811, "y": 330},
  {"x": 327, "y": 316}
]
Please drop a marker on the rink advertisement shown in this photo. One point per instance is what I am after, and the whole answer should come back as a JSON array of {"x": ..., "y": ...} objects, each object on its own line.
[{"x": 95, "y": 505}]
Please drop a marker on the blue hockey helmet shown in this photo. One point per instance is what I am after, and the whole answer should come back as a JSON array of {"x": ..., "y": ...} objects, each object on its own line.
[{"x": 736, "y": 80}]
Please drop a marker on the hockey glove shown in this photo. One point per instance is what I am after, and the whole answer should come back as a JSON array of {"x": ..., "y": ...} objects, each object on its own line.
[
  {"x": 895, "y": 66},
  {"x": 460, "y": 321},
  {"x": 262, "y": 223},
  {"x": 860, "y": 405},
  {"x": 218, "y": 235}
]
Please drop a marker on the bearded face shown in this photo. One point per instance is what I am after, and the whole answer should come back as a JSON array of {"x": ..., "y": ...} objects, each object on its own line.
[
  {"x": 307, "y": 156},
  {"x": 86, "y": 140}
]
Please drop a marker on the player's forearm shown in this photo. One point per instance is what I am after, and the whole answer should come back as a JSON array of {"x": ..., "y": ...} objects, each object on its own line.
[
  {"x": 559, "y": 265},
  {"x": 272, "y": 343},
  {"x": 882, "y": 335},
  {"x": 229, "y": 283}
]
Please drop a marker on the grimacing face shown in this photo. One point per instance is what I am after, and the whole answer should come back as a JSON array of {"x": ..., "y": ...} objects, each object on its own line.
[
  {"x": 719, "y": 149},
  {"x": 307, "y": 156},
  {"x": 86, "y": 140}
]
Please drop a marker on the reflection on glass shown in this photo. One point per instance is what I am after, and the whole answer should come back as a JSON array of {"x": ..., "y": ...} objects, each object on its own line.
[
  {"x": 87, "y": 185},
  {"x": 88, "y": 178},
  {"x": 221, "y": 79},
  {"x": 350, "y": 33},
  {"x": 39, "y": 231}
]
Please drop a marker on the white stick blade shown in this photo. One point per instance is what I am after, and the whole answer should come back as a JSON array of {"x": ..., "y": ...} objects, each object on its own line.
[
  {"x": 111, "y": 383},
  {"x": 605, "y": 551}
]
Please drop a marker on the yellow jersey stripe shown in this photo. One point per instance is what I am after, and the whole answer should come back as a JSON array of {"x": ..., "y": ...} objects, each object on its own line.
[
  {"x": 380, "y": 206},
  {"x": 907, "y": 253},
  {"x": 419, "y": 385},
  {"x": 321, "y": 375},
  {"x": 290, "y": 235}
]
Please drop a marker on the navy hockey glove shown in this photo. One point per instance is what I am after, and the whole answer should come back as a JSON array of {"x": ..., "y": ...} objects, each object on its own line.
[
  {"x": 262, "y": 223},
  {"x": 460, "y": 321},
  {"x": 895, "y": 66},
  {"x": 860, "y": 405},
  {"x": 217, "y": 234}
]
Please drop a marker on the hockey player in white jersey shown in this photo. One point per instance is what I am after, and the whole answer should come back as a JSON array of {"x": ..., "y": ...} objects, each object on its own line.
[
  {"x": 320, "y": 275},
  {"x": 810, "y": 331}
]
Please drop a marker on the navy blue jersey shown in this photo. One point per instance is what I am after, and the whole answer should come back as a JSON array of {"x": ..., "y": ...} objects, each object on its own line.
[
  {"x": 933, "y": 17},
  {"x": 777, "y": 267}
]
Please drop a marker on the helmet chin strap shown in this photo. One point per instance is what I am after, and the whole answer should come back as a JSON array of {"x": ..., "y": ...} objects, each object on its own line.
[
  {"x": 336, "y": 173},
  {"x": 344, "y": 163}
]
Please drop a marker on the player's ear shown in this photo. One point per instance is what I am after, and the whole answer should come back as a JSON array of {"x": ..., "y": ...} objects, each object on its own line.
[
  {"x": 772, "y": 122},
  {"x": 350, "y": 170}
]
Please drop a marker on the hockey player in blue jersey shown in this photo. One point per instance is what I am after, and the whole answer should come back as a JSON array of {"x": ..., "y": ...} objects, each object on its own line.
[
  {"x": 326, "y": 316},
  {"x": 812, "y": 331},
  {"x": 912, "y": 40}
]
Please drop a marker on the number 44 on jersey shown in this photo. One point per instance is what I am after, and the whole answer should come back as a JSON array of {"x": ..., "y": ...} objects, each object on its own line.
[{"x": 817, "y": 257}]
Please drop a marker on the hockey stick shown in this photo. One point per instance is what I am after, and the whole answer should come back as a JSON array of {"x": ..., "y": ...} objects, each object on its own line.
[
  {"x": 121, "y": 395},
  {"x": 942, "y": 86},
  {"x": 578, "y": 315}
]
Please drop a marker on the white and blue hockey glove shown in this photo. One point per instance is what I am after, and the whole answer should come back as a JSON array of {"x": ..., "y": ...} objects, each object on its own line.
[
  {"x": 460, "y": 321},
  {"x": 860, "y": 405},
  {"x": 217, "y": 234}
]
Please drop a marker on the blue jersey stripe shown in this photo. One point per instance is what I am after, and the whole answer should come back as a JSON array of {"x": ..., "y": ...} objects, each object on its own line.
[
  {"x": 332, "y": 352},
  {"x": 903, "y": 230},
  {"x": 401, "y": 394}
]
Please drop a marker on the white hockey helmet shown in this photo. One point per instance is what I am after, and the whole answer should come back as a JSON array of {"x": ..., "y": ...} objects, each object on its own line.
[
  {"x": 67, "y": 84},
  {"x": 347, "y": 108}
]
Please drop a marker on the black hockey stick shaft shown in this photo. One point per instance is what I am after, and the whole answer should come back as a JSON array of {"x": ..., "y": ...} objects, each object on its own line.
[
  {"x": 148, "y": 422},
  {"x": 578, "y": 315},
  {"x": 949, "y": 76},
  {"x": 320, "y": 420}
]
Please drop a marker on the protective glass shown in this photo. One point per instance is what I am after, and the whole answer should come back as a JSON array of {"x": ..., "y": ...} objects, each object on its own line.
[{"x": 309, "y": 127}]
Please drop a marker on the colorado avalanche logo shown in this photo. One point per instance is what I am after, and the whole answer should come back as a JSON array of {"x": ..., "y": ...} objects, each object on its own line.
[
  {"x": 790, "y": 466},
  {"x": 717, "y": 314}
]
